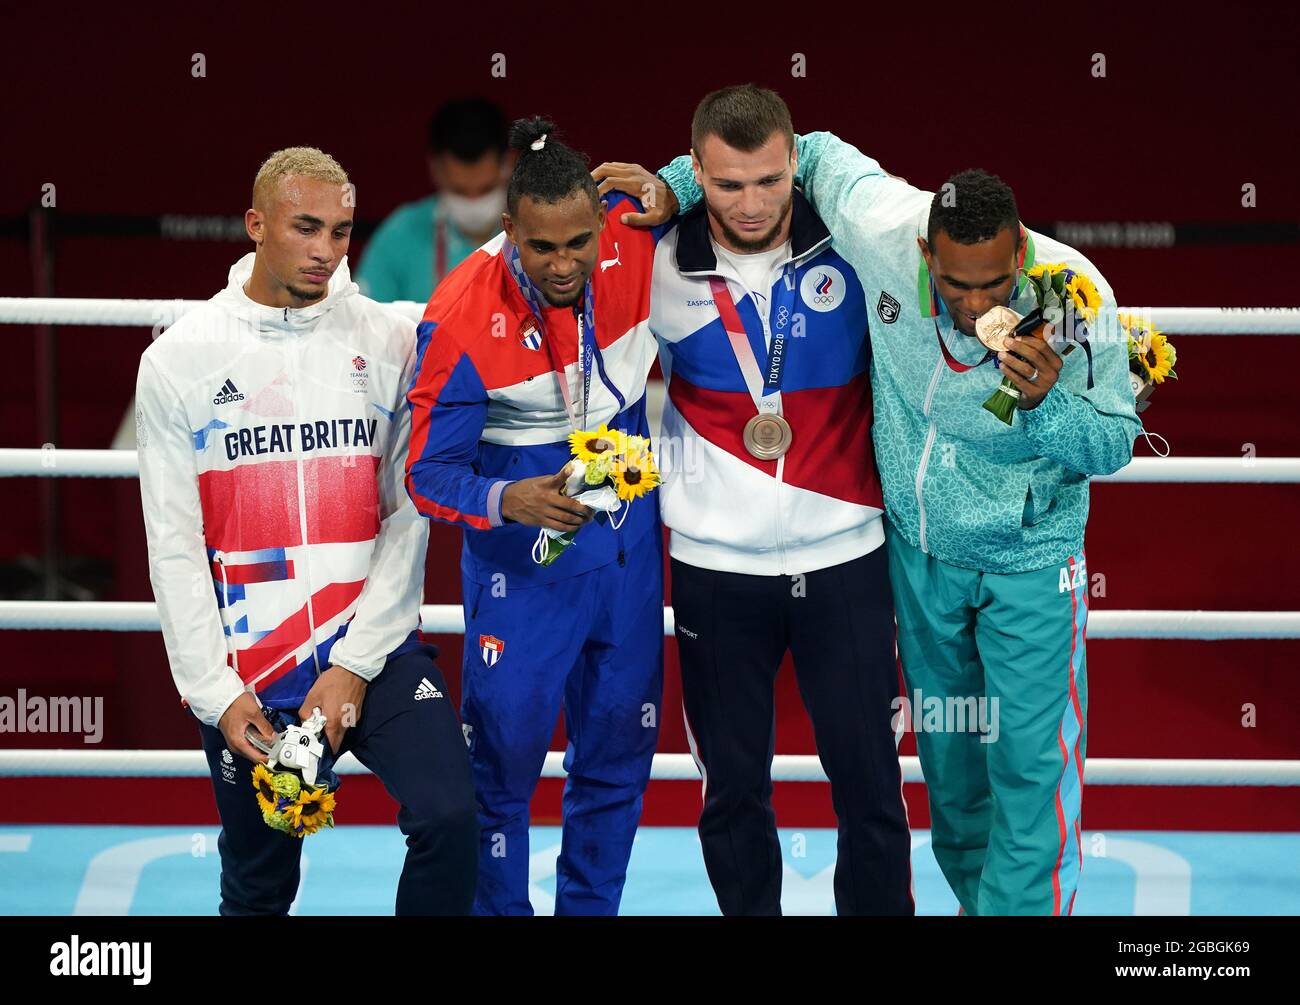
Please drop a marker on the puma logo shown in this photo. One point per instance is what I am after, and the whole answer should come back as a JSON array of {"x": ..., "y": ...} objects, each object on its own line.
[{"x": 609, "y": 262}]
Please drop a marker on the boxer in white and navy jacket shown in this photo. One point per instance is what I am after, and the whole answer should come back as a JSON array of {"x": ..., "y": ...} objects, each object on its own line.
[{"x": 781, "y": 554}]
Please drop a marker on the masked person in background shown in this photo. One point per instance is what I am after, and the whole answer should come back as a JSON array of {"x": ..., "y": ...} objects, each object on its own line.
[{"x": 422, "y": 241}]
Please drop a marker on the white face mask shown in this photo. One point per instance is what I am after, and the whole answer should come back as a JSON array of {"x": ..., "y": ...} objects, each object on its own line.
[{"x": 477, "y": 215}]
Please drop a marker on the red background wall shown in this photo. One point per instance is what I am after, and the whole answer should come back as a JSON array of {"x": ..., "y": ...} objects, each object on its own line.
[{"x": 102, "y": 104}]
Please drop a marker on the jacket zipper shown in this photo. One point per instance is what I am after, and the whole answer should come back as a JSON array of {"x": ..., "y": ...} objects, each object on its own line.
[
  {"x": 925, "y": 452},
  {"x": 302, "y": 508},
  {"x": 767, "y": 342}
]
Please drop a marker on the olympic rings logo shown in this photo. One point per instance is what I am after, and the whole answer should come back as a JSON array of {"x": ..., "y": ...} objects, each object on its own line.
[{"x": 823, "y": 288}]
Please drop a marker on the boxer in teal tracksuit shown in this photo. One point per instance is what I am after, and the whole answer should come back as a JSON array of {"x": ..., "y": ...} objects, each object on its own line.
[{"x": 986, "y": 520}]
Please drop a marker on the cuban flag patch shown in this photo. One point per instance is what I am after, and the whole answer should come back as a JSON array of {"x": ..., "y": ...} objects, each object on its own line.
[
  {"x": 529, "y": 336},
  {"x": 491, "y": 647}
]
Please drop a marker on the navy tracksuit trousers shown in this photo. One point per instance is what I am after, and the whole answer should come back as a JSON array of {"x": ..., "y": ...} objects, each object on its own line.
[
  {"x": 838, "y": 623},
  {"x": 417, "y": 749}
]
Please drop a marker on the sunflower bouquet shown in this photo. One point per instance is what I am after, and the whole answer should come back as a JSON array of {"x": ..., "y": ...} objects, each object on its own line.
[
  {"x": 609, "y": 468},
  {"x": 1068, "y": 302},
  {"x": 1151, "y": 358},
  {"x": 287, "y": 793},
  {"x": 289, "y": 806}
]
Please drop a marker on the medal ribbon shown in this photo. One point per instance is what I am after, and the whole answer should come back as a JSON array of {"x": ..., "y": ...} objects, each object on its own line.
[
  {"x": 765, "y": 390},
  {"x": 1081, "y": 327},
  {"x": 953, "y": 362}
]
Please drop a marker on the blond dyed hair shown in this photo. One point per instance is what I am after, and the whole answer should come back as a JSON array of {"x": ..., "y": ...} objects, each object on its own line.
[{"x": 307, "y": 162}]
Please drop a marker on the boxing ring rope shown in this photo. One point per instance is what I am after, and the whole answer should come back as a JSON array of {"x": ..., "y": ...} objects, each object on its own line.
[
  {"x": 667, "y": 767},
  {"x": 50, "y": 462},
  {"x": 448, "y": 619},
  {"x": 153, "y": 313}
]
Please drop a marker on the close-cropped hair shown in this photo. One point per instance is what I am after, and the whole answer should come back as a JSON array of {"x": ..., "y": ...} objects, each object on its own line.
[{"x": 306, "y": 162}]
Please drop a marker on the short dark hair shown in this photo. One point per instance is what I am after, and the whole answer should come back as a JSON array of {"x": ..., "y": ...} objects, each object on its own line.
[
  {"x": 973, "y": 206},
  {"x": 550, "y": 174},
  {"x": 743, "y": 116},
  {"x": 467, "y": 129}
]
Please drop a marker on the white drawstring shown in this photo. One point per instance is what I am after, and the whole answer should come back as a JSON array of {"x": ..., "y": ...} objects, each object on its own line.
[
  {"x": 539, "y": 546},
  {"x": 621, "y": 509},
  {"x": 1156, "y": 436}
]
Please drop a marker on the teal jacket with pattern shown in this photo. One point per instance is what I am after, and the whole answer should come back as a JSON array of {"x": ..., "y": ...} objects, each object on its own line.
[{"x": 958, "y": 483}]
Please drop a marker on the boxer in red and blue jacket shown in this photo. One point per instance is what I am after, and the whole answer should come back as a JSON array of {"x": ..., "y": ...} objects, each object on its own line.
[{"x": 499, "y": 386}]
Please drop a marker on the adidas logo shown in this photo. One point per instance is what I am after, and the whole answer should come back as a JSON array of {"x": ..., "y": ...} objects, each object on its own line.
[
  {"x": 426, "y": 690},
  {"x": 228, "y": 393}
]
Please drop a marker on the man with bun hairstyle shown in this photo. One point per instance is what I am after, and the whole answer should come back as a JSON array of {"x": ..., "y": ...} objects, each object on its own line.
[{"x": 540, "y": 333}]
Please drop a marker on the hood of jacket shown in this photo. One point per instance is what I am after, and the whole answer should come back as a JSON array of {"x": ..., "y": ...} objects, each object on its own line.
[{"x": 279, "y": 322}]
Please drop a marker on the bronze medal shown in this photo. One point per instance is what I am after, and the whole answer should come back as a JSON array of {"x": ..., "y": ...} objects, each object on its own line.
[
  {"x": 767, "y": 436},
  {"x": 996, "y": 326}
]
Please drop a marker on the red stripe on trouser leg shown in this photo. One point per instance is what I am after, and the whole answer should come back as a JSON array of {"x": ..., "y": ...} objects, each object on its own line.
[
  {"x": 1078, "y": 714},
  {"x": 1062, "y": 827}
]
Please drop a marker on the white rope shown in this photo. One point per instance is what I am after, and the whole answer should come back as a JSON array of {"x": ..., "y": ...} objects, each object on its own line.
[
  {"x": 123, "y": 313},
  {"x": 1207, "y": 469},
  {"x": 51, "y": 462},
  {"x": 1201, "y": 625},
  {"x": 149, "y": 313},
  {"x": 449, "y": 619},
  {"x": 1221, "y": 320},
  {"x": 75, "y": 763}
]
